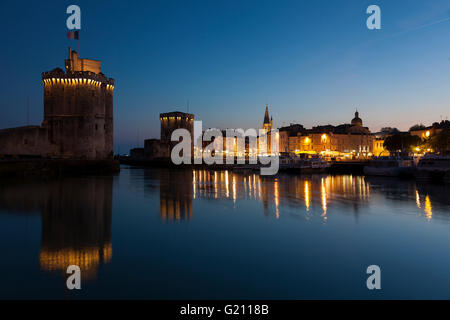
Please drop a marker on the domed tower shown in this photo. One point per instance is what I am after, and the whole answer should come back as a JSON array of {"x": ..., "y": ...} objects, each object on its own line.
[
  {"x": 356, "y": 121},
  {"x": 78, "y": 109}
]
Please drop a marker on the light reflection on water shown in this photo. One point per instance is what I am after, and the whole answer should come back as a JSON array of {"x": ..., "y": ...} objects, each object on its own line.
[
  {"x": 75, "y": 220},
  {"x": 302, "y": 192},
  {"x": 152, "y": 218}
]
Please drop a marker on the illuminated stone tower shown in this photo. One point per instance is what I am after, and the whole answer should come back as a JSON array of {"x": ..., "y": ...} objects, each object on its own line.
[
  {"x": 78, "y": 109},
  {"x": 175, "y": 120}
]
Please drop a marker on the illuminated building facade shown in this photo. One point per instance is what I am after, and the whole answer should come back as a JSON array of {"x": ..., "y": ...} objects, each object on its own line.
[
  {"x": 378, "y": 148},
  {"x": 347, "y": 140},
  {"x": 289, "y": 137}
]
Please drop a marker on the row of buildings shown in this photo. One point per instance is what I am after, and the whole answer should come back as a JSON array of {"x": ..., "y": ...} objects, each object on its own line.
[{"x": 351, "y": 141}]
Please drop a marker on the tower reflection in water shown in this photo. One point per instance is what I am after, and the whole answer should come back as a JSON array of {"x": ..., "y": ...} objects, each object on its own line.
[
  {"x": 175, "y": 200},
  {"x": 76, "y": 218}
]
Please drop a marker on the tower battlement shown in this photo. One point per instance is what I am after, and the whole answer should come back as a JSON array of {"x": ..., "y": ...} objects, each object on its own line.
[
  {"x": 75, "y": 63},
  {"x": 58, "y": 76}
]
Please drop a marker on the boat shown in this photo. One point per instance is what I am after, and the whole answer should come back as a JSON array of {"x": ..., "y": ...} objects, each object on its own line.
[
  {"x": 290, "y": 163},
  {"x": 390, "y": 167},
  {"x": 303, "y": 165},
  {"x": 315, "y": 165}
]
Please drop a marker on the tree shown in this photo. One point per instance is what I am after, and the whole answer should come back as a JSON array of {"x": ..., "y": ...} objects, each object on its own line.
[
  {"x": 401, "y": 142},
  {"x": 441, "y": 141},
  {"x": 417, "y": 127},
  {"x": 389, "y": 130}
]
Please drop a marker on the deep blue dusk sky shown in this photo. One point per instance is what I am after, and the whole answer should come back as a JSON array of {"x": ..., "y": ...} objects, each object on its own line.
[{"x": 313, "y": 62}]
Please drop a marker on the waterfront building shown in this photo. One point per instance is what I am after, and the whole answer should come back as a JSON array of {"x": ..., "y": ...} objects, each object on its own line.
[
  {"x": 288, "y": 140},
  {"x": 378, "y": 148},
  {"x": 346, "y": 140}
]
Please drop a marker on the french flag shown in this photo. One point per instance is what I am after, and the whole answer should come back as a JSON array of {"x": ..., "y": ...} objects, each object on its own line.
[{"x": 73, "y": 35}]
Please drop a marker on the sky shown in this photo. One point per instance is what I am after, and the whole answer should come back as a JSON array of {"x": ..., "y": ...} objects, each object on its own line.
[{"x": 313, "y": 62}]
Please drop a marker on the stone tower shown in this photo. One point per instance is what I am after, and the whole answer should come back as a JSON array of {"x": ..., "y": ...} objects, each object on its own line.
[
  {"x": 175, "y": 120},
  {"x": 78, "y": 109}
]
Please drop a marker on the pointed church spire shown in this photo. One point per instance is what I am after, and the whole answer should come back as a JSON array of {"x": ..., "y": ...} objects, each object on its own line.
[{"x": 266, "y": 115}]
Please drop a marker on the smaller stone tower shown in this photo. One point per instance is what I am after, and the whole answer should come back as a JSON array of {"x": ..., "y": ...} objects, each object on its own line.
[{"x": 175, "y": 120}]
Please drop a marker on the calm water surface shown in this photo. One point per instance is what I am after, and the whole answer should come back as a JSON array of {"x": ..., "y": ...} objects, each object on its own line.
[{"x": 162, "y": 234}]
